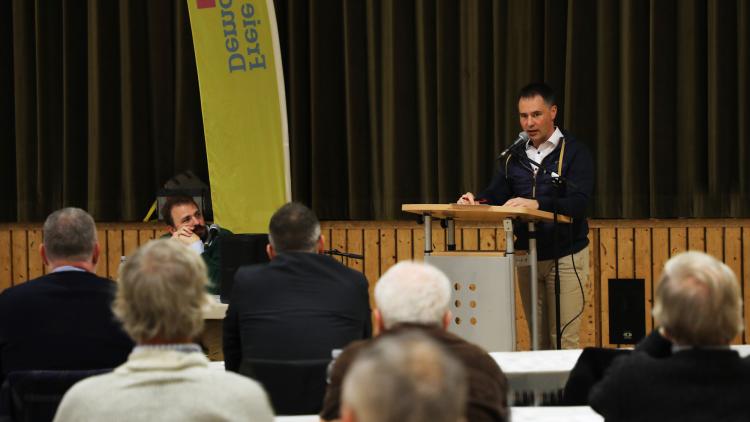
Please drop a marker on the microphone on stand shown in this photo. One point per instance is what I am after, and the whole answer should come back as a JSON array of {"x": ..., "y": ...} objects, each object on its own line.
[
  {"x": 522, "y": 139},
  {"x": 213, "y": 233}
]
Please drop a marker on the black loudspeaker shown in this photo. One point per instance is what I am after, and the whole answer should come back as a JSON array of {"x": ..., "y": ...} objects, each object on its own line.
[
  {"x": 627, "y": 310},
  {"x": 238, "y": 250}
]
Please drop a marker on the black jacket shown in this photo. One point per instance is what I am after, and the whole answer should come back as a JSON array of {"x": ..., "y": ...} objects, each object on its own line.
[
  {"x": 298, "y": 306},
  {"x": 62, "y": 320},
  {"x": 515, "y": 178},
  {"x": 690, "y": 385}
]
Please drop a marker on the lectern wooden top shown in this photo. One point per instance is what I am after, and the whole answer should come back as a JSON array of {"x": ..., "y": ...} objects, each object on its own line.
[{"x": 481, "y": 212}]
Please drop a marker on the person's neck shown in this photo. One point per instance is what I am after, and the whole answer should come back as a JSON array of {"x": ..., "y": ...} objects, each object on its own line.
[{"x": 84, "y": 265}]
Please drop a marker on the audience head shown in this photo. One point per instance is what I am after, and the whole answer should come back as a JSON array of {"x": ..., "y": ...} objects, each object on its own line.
[
  {"x": 182, "y": 210},
  {"x": 294, "y": 228},
  {"x": 404, "y": 378},
  {"x": 698, "y": 301},
  {"x": 412, "y": 292},
  {"x": 70, "y": 236},
  {"x": 162, "y": 293}
]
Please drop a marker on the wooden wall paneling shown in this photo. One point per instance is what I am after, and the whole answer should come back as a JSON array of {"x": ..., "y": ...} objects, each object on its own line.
[
  {"x": 733, "y": 259},
  {"x": 745, "y": 278},
  {"x": 643, "y": 270},
  {"x": 372, "y": 259},
  {"x": 715, "y": 242},
  {"x": 387, "y": 248},
  {"x": 144, "y": 236},
  {"x": 20, "y": 256},
  {"x": 326, "y": 232},
  {"x": 101, "y": 266},
  {"x": 129, "y": 241},
  {"x": 659, "y": 253},
  {"x": 354, "y": 244},
  {"x": 459, "y": 237},
  {"x": 588, "y": 320},
  {"x": 36, "y": 266},
  {"x": 608, "y": 262},
  {"x": 470, "y": 238},
  {"x": 417, "y": 236},
  {"x": 404, "y": 250},
  {"x": 487, "y": 241},
  {"x": 114, "y": 252},
  {"x": 338, "y": 241},
  {"x": 677, "y": 240},
  {"x": 696, "y": 238},
  {"x": 500, "y": 238},
  {"x": 438, "y": 238},
  {"x": 6, "y": 260}
]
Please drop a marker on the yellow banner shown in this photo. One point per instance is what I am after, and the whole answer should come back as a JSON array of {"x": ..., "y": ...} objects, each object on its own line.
[{"x": 244, "y": 110}]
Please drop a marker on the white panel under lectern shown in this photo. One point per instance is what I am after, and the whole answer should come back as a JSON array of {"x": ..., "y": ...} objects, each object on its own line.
[{"x": 482, "y": 298}]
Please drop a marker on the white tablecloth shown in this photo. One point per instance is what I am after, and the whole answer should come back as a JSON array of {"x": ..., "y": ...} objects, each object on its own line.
[
  {"x": 518, "y": 414},
  {"x": 539, "y": 371}
]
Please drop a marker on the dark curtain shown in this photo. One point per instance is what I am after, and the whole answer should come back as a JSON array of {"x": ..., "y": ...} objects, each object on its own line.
[{"x": 389, "y": 102}]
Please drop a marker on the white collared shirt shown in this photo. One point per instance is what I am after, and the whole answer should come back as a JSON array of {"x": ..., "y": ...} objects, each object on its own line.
[{"x": 538, "y": 154}]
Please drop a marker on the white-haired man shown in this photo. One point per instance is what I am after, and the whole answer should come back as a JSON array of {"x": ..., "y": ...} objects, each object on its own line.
[
  {"x": 405, "y": 377},
  {"x": 63, "y": 320},
  {"x": 699, "y": 309},
  {"x": 415, "y": 296},
  {"x": 167, "y": 378}
]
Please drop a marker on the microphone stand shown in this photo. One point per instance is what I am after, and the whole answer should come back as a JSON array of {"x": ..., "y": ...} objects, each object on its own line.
[
  {"x": 557, "y": 181},
  {"x": 344, "y": 254}
]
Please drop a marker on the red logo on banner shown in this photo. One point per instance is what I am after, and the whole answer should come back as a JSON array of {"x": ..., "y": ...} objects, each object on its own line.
[{"x": 205, "y": 4}]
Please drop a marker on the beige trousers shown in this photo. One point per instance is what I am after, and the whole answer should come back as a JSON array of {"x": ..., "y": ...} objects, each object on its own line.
[{"x": 571, "y": 298}]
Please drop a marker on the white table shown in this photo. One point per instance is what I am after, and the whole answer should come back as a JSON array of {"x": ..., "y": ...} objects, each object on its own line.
[
  {"x": 554, "y": 413},
  {"x": 517, "y": 414},
  {"x": 537, "y": 372}
]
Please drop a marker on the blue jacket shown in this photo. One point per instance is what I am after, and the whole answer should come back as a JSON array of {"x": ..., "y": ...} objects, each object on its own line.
[{"x": 516, "y": 179}]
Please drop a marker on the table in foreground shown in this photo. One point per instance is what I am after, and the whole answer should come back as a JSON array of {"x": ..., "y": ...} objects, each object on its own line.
[{"x": 518, "y": 414}]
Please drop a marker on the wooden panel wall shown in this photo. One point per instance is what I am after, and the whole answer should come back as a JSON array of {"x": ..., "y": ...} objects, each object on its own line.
[{"x": 620, "y": 249}]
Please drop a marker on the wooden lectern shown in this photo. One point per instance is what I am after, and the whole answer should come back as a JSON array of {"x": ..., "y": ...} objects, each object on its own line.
[{"x": 483, "y": 295}]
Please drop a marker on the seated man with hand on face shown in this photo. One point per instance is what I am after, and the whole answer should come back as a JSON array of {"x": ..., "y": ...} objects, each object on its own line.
[
  {"x": 699, "y": 309},
  {"x": 301, "y": 305},
  {"x": 415, "y": 296},
  {"x": 167, "y": 377},
  {"x": 186, "y": 224}
]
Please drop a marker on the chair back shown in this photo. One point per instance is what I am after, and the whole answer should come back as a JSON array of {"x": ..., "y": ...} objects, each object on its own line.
[
  {"x": 296, "y": 387},
  {"x": 33, "y": 396},
  {"x": 588, "y": 370}
]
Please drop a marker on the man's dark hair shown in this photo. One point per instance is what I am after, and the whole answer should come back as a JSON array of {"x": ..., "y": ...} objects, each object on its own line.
[
  {"x": 541, "y": 89},
  {"x": 173, "y": 201},
  {"x": 294, "y": 228},
  {"x": 69, "y": 233}
]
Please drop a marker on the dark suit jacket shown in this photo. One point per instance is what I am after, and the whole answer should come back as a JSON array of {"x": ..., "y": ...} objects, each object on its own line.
[
  {"x": 690, "y": 385},
  {"x": 298, "y": 306},
  {"x": 61, "y": 320},
  {"x": 488, "y": 387}
]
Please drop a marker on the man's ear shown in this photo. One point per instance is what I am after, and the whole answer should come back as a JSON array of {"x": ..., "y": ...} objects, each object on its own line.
[
  {"x": 321, "y": 244},
  {"x": 553, "y": 111},
  {"x": 43, "y": 254},
  {"x": 378, "y": 317},
  {"x": 270, "y": 252},
  {"x": 447, "y": 319},
  {"x": 95, "y": 254}
]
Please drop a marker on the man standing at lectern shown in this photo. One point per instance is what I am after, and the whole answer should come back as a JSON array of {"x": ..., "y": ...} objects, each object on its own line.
[{"x": 518, "y": 183}]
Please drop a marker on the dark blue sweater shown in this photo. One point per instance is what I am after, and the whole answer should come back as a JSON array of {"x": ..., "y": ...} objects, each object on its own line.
[{"x": 516, "y": 179}]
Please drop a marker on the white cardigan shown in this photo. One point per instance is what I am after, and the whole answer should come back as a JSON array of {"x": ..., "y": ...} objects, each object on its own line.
[{"x": 165, "y": 385}]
